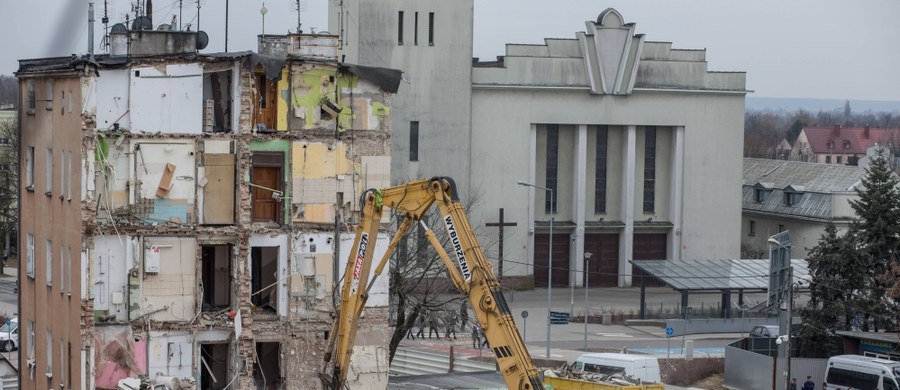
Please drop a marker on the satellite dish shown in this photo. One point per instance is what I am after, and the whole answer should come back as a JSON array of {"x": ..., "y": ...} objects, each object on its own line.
[
  {"x": 119, "y": 28},
  {"x": 164, "y": 27},
  {"x": 142, "y": 23},
  {"x": 202, "y": 40}
]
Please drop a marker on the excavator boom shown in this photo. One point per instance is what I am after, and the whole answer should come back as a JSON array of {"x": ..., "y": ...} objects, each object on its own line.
[{"x": 471, "y": 273}]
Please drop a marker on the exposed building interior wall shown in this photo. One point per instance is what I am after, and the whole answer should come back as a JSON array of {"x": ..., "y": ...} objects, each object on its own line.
[{"x": 207, "y": 254}]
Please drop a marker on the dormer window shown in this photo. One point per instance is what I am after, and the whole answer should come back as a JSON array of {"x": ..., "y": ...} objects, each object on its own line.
[
  {"x": 846, "y": 144},
  {"x": 762, "y": 191},
  {"x": 830, "y": 144},
  {"x": 793, "y": 195}
]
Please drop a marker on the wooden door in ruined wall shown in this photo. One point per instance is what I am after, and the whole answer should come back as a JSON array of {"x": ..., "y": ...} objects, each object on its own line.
[
  {"x": 266, "y": 176},
  {"x": 267, "y": 93}
]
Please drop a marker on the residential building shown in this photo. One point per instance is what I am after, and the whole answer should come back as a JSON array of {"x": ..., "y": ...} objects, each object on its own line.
[
  {"x": 639, "y": 142},
  {"x": 797, "y": 196},
  {"x": 179, "y": 211},
  {"x": 841, "y": 145}
]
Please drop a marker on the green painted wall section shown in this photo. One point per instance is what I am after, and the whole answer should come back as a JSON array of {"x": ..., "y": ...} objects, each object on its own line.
[{"x": 316, "y": 85}]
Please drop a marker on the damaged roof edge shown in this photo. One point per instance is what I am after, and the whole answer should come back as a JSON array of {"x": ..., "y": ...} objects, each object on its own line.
[{"x": 386, "y": 78}]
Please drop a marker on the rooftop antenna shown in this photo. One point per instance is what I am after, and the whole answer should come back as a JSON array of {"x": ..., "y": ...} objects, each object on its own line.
[
  {"x": 226, "y": 25},
  {"x": 105, "y": 41},
  {"x": 301, "y": 7},
  {"x": 180, "y": 3},
  {"x": 198, "y": 15}
]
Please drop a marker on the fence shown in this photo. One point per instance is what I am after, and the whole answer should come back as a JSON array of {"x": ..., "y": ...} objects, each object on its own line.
[{"x": 749, "y": 370}]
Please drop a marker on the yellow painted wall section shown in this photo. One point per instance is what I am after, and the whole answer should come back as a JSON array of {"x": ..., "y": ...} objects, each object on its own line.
[
  {"x": 315, "y": 161},
  {"x": 282, "y": 99}
]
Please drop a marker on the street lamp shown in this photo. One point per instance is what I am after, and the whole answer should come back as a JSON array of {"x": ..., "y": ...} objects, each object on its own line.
[
  {"x": 549, "y": 259},
  {"x": 786, "y": 339},
  {"x": 587, "y": 274}
]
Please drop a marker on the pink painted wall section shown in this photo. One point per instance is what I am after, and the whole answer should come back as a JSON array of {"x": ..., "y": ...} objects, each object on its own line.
[{"x": 119, "y": 357}]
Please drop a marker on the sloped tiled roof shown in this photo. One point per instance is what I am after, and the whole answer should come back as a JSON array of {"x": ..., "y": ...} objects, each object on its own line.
[
  {"x": 852, "y": 140},
  {"x": 813, "y": 177},
  {"x": 816, "y": 182}
]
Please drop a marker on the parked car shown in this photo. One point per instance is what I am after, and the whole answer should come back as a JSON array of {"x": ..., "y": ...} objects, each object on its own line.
[
  {"x": 9, "y": 335},
  {"x": 764, "y": 331}
]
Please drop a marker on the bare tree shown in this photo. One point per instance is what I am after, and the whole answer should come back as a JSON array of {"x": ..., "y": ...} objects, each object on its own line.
[
  {"x": 9, "y": 183},
  {"x": 419, "y": 284}
]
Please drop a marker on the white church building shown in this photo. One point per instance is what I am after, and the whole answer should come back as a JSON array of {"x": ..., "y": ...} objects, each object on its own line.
[{"x": 639, "y": 142}]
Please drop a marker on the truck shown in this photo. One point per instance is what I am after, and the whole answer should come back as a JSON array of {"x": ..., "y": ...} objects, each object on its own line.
[{"x": 471, "y": 274}]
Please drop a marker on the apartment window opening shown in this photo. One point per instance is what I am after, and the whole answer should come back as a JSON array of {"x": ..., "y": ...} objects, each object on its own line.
[
  {"x": 752, "y": 228},
  {"x": 416, "y": 29},
  {"x": 414, "y": 141},
  {"x": 49, "y": 95},
  {"x": 29, "y": 168},
  {"x": 400, "y": 28},
  {"x": 214, "y": 366},
  {"x": 431, "y": 28},
  {"x": 31, "y": 98},
  {"x": 552, "y": 168},
  {"x": 266, "y": 192},
  {"x": 215, "y": 276},
  {"x": 268, "y": 376},
  {"x": 264, "y": 278},
  {"x": 29, "y": 268},
  {"x": 217, "y": 102},
  {"x": 650, "y": 169},
  {"x": 49, "y": 354},
  {"x": 48, "y": 171},
  {"x": 600, "y": 152},
  {"x": 49, "y": 263},
  {"x": 63, "y": 169}
]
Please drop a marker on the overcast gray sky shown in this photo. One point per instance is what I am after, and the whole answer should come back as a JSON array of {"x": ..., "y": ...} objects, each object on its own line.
[{"x": 799, "y": 48}]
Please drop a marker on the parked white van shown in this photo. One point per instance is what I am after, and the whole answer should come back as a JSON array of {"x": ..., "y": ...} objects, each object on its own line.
[
  {"x": 861, "y": 372},
  {"x": 9, "y": 335},
  {"x": 642, "y": 367}
]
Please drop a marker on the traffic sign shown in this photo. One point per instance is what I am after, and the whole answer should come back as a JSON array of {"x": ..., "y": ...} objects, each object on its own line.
[
  {"x": 670, "y": 331},
  {"x": 524, "y": 313}
]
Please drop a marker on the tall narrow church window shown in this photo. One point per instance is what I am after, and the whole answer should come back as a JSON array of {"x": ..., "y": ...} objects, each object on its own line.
[
  {"x": 649, "y": 169},
  {"x": 600, "y": 171},
  {"x": 431, "y": 28},
  {"x": 416, "y": 29},
  {"x": 400, "y": 28},
  {"x": 414, "y": 141},
  {"x": 550, "y": 204}
]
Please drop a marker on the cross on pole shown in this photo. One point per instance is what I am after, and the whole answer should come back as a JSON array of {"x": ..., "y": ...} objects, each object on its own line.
[{"x": 500, "y": 225}]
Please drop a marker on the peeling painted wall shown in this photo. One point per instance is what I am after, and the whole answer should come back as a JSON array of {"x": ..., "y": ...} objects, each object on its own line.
[
  {"x": 170, "y": 353},
  {"x": 159, "y": 200},
  {"x": 169, "y": 293},
  {"x": 112, "y": 258},
  {"x": 167, "y": 98},
  {"x": 316, "y": 92}
]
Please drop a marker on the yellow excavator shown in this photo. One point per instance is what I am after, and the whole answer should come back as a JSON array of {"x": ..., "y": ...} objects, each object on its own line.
[{"x": 471, "y": 274}]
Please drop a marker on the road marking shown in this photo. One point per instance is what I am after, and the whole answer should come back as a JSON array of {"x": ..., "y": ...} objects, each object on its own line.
[{"x": 614, "y": 335}]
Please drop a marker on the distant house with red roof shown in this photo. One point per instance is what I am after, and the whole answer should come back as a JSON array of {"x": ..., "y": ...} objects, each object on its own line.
[{"x": 840, "y": 145}]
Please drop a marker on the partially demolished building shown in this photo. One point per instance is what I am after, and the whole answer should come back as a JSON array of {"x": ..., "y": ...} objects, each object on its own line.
[{"x": 182, "y": 212}]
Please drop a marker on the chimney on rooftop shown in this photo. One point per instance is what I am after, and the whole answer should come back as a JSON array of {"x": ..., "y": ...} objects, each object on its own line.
[
  {"x": 866, "y": 131},
  {"x": 837, "y": 131}
]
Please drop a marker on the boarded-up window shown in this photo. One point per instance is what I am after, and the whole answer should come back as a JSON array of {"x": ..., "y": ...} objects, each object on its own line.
[{"x": 218, "y": 192}]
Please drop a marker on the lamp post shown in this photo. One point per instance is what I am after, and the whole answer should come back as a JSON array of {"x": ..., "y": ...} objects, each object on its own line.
[
  {"x": 549, "y": 259},
  {"x": 786, "y": 339},
  {"x": 587, "y": 274}
]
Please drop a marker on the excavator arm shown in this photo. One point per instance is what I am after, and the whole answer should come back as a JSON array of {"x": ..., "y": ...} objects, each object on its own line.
[{"x": 471, "y": 274}]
